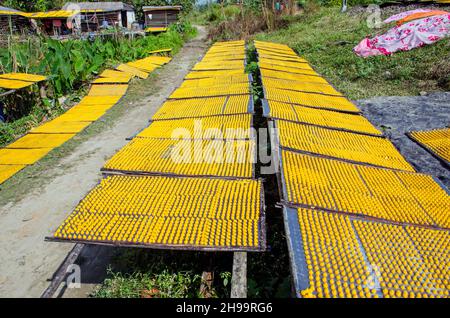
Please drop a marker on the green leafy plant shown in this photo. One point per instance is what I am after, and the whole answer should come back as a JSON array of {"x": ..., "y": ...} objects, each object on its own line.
[
  {"x": 70, "y": 67},
  {"x": 165, "y": 284},
  {"x": 160, "y": 274}
]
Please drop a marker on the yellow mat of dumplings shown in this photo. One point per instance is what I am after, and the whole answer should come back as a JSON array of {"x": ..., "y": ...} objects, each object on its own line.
[
  {"x": 13, "y": 84},
  {"x": 32, "y": 141},
  {"x": 111, "y": 80},
  {"x": 21, "y": 156},
  {"x": 215, "y": 81},
  {"x": 203, "y": 107},
  {"x": 58, "y": 126},
  {"x": 218, "y": 73},
  {"x": 108, "y": 90},
  {"x": 321, "y": 117},
  {"x": 350, "y": 258},
  {"x": 437, "y": 141},
  {"x": 113, "y": 74},
  {"x": 7, "y": 171},
  {"x": 334, "y": 185},
  {"x": 223, "y": 90},
  {"x": 292, "y": 76},
  {"x": 289, "y": 69},
  {"x": 24, "y": 77},
  {"x": 231, "y": 158},
  {"x": 301, "y": 86},
  {"x": 339, "y": 103},
  {"x": 196, "y": 212},
  {"x": 214, "y": 127},
  {"x": 132, "y": 71},
  {"x": 341, "y": 145}
]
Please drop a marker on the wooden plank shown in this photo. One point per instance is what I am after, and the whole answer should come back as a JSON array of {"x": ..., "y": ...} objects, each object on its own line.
[
  {"x": 61, "y": 273},
  {"x": 206, "y": 286}
]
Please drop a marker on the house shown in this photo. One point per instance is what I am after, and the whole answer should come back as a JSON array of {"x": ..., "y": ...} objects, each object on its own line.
[
  {"x": 95, "y": 15},
  {"x": 54, "y": 23},
  {"x": 13, "y": 21},
  {"x": 161, "y": 16}
]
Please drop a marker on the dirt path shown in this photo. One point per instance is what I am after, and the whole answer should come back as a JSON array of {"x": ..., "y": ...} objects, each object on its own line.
[{"x": 27, "y": 262}]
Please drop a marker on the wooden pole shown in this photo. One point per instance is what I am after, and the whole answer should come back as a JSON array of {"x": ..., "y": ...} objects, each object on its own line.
[
  {"x": 206, "y": 286},
  {"x": 61, "y": 273},
  {"x": 239, "y": 276},
  {"x": 344, "y": 6}
]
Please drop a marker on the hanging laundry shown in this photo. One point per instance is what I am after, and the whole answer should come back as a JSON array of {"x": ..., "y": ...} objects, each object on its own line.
[{"x": 407, "y": 36}]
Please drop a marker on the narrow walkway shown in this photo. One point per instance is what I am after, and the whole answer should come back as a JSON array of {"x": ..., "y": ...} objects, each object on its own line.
[{"x": 27, "y": 261}]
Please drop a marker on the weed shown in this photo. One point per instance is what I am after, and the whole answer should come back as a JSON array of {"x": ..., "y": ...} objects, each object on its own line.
[
  {"x": 145, "y": 285},
  {"x": 162, "y": 274}
]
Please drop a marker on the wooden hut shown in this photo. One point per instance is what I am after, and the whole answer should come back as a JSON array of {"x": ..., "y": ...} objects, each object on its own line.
[
  {"x": 161, "y": 16},
  {"x": 54, "y": 23},
  {"x": 13, "y": 21},
  {"x": 95, "y": 15}
]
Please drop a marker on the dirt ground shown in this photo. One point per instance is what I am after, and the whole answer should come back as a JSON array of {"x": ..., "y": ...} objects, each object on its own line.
[
  {"x": 398, "y": 115},
  {"x": 27, "y": 261}
]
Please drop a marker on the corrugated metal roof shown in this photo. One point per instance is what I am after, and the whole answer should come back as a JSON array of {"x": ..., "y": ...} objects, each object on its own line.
[
  {"x": 52, "y": 14},
  {"x": 11, "y": 12},
  {"x": 103, "y": 6},
  {"x": 8, "y": 9},
  {"x": 154, "y": 8}
]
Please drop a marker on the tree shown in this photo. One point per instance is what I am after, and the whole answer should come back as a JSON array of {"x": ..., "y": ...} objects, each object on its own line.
[{"x": 33, "y": 5}]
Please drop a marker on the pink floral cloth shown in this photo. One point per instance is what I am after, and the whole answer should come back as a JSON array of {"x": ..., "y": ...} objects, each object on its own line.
[
  {"x": 399, "y": 16},
  {"x": 407, "y": 36}
]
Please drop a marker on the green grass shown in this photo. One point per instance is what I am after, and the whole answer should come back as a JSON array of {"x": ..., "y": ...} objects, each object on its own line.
[
  {"x": 143, "y": 273},
  {"x": 326, "y": 38},
  {"x": 213, "y": 14}
]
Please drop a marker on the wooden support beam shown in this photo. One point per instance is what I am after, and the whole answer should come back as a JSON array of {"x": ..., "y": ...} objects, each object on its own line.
[
  {"x": 61, "y": 273},
  {"x": 206, "y": 286},
  {"x": 7, "y": 93},
  {"x": 239, "y": 276}
]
